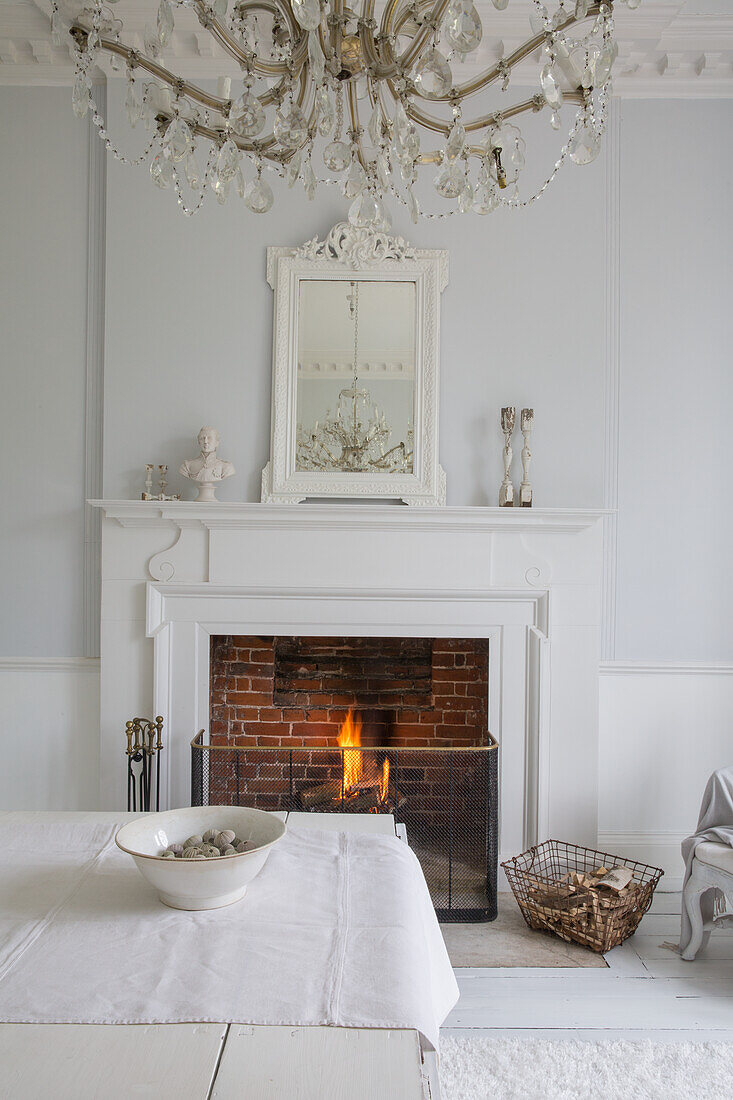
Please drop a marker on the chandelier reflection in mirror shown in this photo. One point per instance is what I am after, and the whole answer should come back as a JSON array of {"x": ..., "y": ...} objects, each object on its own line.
[
  {"x": 357, "y": 438},
  {"x": 381, "y": 104}
]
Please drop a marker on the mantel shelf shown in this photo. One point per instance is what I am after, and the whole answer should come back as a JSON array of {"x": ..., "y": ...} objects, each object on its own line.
[{"x": 229, "y": 514}]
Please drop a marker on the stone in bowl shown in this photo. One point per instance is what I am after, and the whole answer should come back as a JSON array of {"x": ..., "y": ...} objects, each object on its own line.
[{"x": 200, "y": 883}]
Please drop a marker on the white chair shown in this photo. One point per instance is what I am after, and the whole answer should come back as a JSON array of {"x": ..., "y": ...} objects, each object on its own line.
[{"x": 712, "y": 868}]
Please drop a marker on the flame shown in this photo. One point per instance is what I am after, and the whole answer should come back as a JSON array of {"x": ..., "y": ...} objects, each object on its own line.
[
  {"x": 350, "y": 735},
  {"x": 355, "y": 774},
  {"x": 384, "y": 785}
]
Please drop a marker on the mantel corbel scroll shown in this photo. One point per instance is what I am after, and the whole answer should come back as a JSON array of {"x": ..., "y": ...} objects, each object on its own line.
[{"x": 181, "y": 561}]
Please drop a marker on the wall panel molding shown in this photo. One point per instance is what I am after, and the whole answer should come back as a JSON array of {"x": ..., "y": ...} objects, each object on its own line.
[
  {"x": 613, "y": 378},
  {"x": 660, "y": 849},
  {"x": 94, "y": 378},
  {"x": 49, "y": 710},
  {"x": 668, "y": 668},
  {"x": 50, "y": 664}
]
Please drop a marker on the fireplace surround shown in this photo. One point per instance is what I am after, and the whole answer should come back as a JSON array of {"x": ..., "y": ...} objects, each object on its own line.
[{"x": 175, "y": 574}]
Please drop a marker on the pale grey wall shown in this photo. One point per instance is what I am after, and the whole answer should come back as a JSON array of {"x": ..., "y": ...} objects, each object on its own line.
[
  {"x": 189, "y": 331},
  {"x": 188, "y": 340},
  {"x": 43, "y": 235},
  {"x": 675, "y": 593}
]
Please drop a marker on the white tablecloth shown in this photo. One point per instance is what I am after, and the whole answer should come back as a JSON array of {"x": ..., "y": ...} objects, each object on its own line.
[{"x": 337, "y": 929}]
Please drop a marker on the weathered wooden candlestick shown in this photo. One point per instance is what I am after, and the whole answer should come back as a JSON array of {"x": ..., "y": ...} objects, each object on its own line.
[
  {"x": 506, "y": 492},
  {"x": 525, "y": 489}
]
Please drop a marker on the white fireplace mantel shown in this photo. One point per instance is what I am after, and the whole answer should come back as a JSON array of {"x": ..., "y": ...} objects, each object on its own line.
[
  {"x": 137, "y": 513},
  {"x": 176, "y": 573}
]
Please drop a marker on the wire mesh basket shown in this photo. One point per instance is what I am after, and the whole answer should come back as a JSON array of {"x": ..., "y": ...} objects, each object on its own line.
[{"x": 554, "y": 888}]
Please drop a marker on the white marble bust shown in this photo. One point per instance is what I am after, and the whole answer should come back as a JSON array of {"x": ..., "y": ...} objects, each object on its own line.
[{"x": 207, "y": 470}]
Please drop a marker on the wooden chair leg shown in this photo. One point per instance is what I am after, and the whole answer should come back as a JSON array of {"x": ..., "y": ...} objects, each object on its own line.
[{"x": 691, "y": 899}]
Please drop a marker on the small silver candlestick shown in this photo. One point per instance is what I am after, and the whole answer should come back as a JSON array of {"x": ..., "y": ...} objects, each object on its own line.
[
  {"x": 506, "y": 492},
  {"x": 163, "y": 483},
  {"x": 526, "y": 424}
]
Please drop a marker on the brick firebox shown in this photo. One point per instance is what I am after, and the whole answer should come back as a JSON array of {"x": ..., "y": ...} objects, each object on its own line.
[{"x": 413, "y": 693}]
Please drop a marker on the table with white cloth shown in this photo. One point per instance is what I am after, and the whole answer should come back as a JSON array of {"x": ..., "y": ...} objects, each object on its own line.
[{"x": 337, "y": 932}]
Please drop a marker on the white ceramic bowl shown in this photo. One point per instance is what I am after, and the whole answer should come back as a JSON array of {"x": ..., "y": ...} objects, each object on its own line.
[{"x": 200, "y": 883}]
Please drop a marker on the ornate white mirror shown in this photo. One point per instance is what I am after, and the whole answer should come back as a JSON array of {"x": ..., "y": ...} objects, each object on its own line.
[{"x": 355, "y": 369}]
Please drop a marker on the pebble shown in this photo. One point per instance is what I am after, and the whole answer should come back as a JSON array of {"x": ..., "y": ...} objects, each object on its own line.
[{"x": 214, "y": 843}]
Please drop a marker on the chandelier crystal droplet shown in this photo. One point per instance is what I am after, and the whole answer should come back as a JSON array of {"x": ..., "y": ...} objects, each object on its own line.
[{"x": 392, "y": 102}]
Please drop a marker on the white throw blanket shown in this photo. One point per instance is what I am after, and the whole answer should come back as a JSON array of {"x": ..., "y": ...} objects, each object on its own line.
[
  {"x": 337, "y": 929},
  {"x": 715, "y": 823}
]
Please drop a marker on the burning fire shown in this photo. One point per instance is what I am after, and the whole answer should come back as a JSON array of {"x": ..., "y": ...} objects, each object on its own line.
[
  {"x": 356, "y": 777},
  {"x": 384, "y": 784},
  {"x": 350, "y": 734}
]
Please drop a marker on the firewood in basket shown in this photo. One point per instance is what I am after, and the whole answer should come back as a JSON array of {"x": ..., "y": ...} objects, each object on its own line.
[{"x": 617, "y": 879}]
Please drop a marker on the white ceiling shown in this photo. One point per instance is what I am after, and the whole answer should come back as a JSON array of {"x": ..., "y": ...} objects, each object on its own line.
[{"x": 678, "y": 48}]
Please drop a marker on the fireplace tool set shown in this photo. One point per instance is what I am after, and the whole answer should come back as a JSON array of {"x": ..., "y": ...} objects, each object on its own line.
[{"x": 144, "y": 746}]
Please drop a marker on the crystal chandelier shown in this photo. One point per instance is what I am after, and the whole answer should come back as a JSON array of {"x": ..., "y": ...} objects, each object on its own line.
[
  {"x": 379, "y": 104},
  {"x": 356, "y": 439}
]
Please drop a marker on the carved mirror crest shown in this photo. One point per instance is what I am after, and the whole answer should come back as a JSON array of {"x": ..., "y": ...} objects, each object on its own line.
[{"x": 355, "y": 369}]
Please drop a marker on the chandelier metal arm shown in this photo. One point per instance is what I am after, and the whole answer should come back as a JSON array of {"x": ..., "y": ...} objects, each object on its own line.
[
  {"x": 231, "y": 46},
  {"x": 212, "y": 102},
  {"x": 262, "y": 146},
  {"x": 406, "y": 61},
  {"x": 496, "y": 72},
  {"x": 356, "y": 131},
  {"x": 388, "y": 61},
  {"x": 184, "y": 87},
  {"x": 324, "y": 39},
  {"x": 337, "y": 29},
  {"x": 391, "y": 23},
  {"x": 438, "y": 126},
  {"x": 379, "y": 70}
]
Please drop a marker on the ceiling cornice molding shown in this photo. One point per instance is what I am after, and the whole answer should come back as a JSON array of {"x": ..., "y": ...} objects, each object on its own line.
[{"x": 663, "y": 52}]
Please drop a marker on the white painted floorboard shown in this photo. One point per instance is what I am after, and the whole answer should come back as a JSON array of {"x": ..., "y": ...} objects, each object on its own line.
[
  {"x": 108, "y": 1062},
  {"x": 648, "y": 991},
  {"x": 312, "y": 1063}
]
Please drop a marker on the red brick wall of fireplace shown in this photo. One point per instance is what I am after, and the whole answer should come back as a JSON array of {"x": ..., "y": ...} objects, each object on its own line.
[{"x": 413, "y": 693}]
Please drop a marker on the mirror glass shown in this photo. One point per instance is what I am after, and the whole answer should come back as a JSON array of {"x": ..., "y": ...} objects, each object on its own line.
[{"x": 356, "y": 375}]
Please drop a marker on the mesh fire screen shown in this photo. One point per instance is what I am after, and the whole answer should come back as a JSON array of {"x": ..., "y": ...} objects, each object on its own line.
[{"x": 445, "y": 797}]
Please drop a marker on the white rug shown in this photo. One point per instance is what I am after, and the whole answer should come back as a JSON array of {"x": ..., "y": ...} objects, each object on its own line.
[{"x": 542, "y": 1069}]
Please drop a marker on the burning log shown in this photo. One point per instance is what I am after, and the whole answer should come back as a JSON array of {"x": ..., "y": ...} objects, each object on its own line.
[
  {"x": 321, "y": 794},
  {"x": 364, "y": 800},
  {"x": 365, "y": 786}
]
